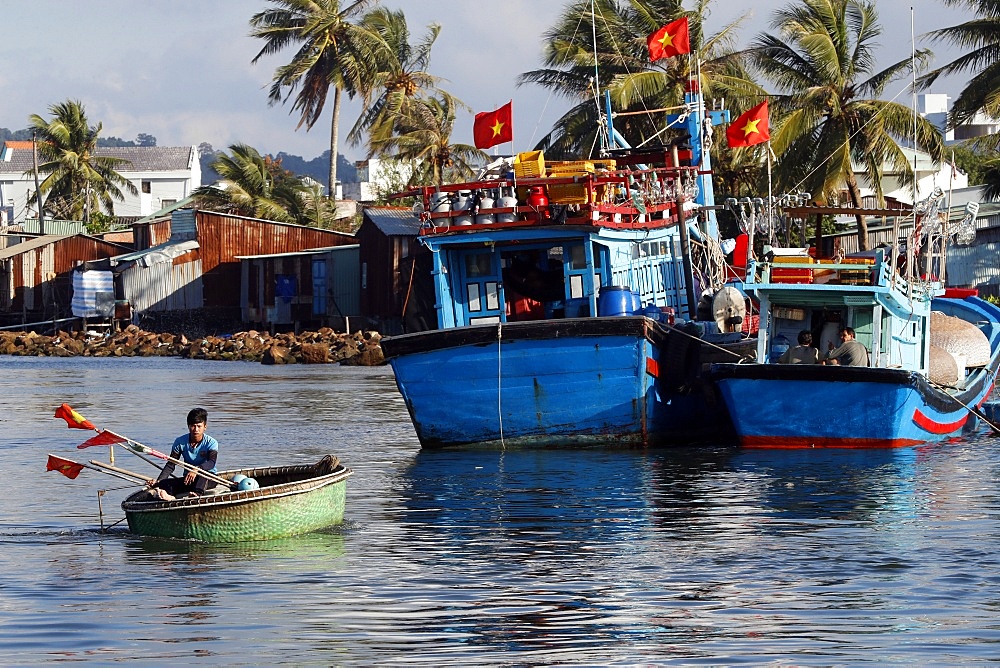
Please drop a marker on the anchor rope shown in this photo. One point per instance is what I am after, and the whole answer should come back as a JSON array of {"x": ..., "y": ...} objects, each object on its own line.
[{"x": 503, "y": 446}]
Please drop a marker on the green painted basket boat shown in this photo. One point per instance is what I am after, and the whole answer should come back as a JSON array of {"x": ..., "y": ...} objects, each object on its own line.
[{"x": 291, "y": 500}]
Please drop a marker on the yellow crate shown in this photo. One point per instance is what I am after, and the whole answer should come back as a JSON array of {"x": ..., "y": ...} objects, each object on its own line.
[
  {"x": 568, "y": 193},
  {"x": 529, "y": 165},
  {"x": 571, "y": 168}
]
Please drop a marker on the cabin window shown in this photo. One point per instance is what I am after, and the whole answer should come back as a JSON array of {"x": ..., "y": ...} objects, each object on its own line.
[
  {"x": 472, "y": 291},
  {"x": 577, "y": 257},
  {"x": 492, "y": 295},
  {"x": 478, "y": 265},
  {"x": 146, "y": 187},
  {"x": 576, "y": 286}
]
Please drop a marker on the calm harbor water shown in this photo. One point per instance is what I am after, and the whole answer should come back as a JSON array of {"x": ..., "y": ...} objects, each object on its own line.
[{"x": 711, "y": 556}]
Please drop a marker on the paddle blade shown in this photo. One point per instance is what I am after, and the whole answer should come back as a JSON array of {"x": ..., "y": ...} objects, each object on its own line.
[
  {"x": 73, "y": 419},
  {"x": 103, "y": 438},
  {"x": 67, "y": 467}
]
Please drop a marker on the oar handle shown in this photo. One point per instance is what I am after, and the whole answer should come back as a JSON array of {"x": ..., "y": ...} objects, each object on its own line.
[{"x": 110, "y": 473}]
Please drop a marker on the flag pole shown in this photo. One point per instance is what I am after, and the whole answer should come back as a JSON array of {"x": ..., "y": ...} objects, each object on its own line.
[{"x": 770, "y": 198}]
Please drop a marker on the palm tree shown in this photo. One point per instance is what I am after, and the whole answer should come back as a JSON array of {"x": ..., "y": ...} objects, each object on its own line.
[
  {"x": 830, "y": 114},
  {"x": 255, "y": 186},
  {"x": 424, "y": 138},
  {"x": 399, "y": 77},
  {"x": 332, "y": 52},
  {"x": 623, "y": 68},
  {"x": 981, "y": 37},
  {"x": 77, "y": 180}
]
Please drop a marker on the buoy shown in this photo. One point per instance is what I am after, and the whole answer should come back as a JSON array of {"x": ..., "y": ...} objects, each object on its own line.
[
  {"x": 238, "y": 478},
  {"x": 247, "y": 484}
]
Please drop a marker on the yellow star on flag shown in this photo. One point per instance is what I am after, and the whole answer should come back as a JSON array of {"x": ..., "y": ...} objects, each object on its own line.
[
  {"x": 667, "y": 40},
  {"x": 751, "y": 127},
  {"x": 497, "y": 128}
]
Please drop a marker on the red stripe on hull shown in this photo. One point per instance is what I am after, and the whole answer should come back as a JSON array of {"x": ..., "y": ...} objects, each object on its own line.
[
  {"x": 800, "y": 442},
  {"x": 933, "y": 427}
]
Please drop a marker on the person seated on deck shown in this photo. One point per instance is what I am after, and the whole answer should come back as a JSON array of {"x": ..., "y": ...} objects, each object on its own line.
[
  {"x": 850, "y": 353},
  {"x": 195, "y": 448},
  {"x": 804, "y": 353}
]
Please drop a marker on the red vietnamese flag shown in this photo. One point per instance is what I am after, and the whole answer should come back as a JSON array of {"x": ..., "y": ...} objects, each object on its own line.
[
  {"x": 103, "y": 438},
  {"x": 67, "y": 467},
  {"x": 494, "y": 127},
  {"x": 73, "y": 419},
  {"x": 671, "y": 40},
  {"x": 750, "y": 128}
]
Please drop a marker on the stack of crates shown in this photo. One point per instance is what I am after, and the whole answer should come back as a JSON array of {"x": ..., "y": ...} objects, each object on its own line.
[
  {"x": 860, "y": 276},
  {"x": 791, "y": 275},
  {"x": 570, "y": 193}
]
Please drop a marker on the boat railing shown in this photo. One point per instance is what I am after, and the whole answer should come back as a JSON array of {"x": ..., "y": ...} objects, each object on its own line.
[
  {"x": 849, "y": 271},
  {"x": 633, "y": 197}
]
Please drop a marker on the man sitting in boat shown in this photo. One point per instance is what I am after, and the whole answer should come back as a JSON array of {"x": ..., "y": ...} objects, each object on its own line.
[
  {"x": 804, "y": 353},
  {"x": 850, "y": 353},
  {"x": 195, "y": 448}
]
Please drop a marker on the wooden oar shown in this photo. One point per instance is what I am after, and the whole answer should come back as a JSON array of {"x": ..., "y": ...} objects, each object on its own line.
[
  {"x": 137, "y": 476},
  {"x": 139, "y": 479}
]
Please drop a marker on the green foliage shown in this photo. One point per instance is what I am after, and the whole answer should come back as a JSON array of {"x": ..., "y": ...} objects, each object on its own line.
[
  {"x": 331, "y": 52},
  {"x": 827, "y": 115},
  {"x": 100, "y": 222},
  {"x": 76, "y": 182},
  {"x": 973, "y": 161},
  {"x": 993, "y": 299}
]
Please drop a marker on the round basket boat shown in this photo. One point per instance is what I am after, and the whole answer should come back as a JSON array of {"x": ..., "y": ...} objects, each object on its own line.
[{"x": 291, "y": 500}]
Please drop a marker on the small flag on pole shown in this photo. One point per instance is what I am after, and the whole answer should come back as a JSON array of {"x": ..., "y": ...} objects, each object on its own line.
[
  {"x": 494, "y": 127},
  {"x": 67, "y": 467},
  {"x": 103, "y": 438},
  {"x": 750, "y": 128},
  {"x": 671, "y": 40},
  {"x": 73, "y": 419}
]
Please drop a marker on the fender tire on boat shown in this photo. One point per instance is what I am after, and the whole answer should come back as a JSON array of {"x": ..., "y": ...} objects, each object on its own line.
[{"x": 682, "y": 358}]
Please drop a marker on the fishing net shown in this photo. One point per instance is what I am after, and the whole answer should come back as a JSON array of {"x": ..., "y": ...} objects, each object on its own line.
[
  {"x": 943, "y": 368},
  {"x": 959, "y": 337}
]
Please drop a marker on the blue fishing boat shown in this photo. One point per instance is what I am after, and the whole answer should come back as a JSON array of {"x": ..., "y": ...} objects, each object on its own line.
[
  {"x": 933, "y": 356},
  {"x": 566, "y": 298}
]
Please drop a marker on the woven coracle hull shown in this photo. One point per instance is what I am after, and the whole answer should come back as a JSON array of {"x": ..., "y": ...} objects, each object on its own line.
[{"x": 290, "y": 501}]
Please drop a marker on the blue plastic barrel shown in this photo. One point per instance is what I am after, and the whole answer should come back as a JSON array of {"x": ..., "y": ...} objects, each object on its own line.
[{"x": 617, "y": 300}]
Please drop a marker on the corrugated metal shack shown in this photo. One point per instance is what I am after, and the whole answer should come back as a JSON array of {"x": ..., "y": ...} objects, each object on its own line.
[
  {"x": 203, "y": 249},
  {"x": 312, "y": 288},
  {"x": 396, "y": 289},
  {"x": 35, "y": 282}
]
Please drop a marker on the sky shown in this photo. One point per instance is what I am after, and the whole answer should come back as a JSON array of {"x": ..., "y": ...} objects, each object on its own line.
[{"x": 180, "y": 70}]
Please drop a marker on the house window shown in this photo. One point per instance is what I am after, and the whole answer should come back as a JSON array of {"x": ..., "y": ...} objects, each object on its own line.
[
  {"x": 146, "y": 188},
  {"x": 164, "y": 203}
]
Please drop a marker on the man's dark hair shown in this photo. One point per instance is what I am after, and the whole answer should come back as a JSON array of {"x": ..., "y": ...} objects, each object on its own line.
[
  {"x": 197, "y": 415},
  {"x": 805, "y": 337},
  {"x": 849, "y": 330}
]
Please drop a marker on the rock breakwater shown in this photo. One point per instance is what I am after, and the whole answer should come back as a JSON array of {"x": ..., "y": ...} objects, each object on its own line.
[{"x": 324, "y": 346}]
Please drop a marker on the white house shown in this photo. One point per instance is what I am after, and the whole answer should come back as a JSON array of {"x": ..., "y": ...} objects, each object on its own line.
[
  {"x": 929, "y": 175},
  {"x": 378, "y": 177},
  {"x": 162, "y": 175},
  {"x": 934, "y": 107}
]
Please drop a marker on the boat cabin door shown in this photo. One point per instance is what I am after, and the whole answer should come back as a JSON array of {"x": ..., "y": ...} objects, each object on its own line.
[{"x": 479, "y": 288}]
